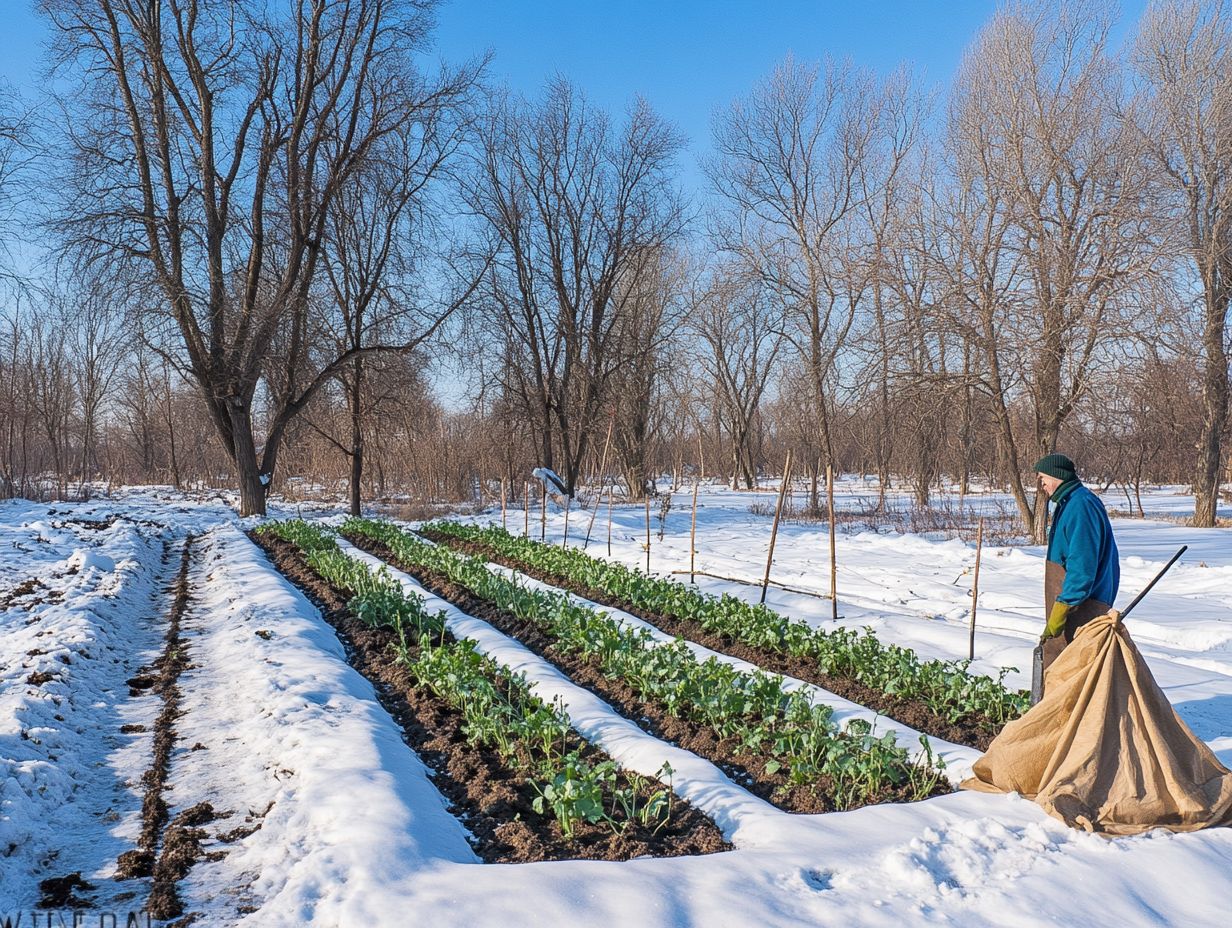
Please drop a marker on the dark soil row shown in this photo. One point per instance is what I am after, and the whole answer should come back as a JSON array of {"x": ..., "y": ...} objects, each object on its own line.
[
  {"x": 745, "y": 768},
  {"x": 913, "y": 712},
  {"x": 492, "y": 801},
  {"x": 166, "y": 851}
]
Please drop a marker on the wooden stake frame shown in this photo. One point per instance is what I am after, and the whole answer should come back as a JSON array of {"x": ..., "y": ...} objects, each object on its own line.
[
  {"x": 701, "y": 470},
  {"x": 647, "y": 495},
  {"x": 833, "y": 554},
  {"x": 602, "y": 477},
  {"x": 975, "y": 586},
  {"x": 774, "y": 528},
  {"x": 611, "y": 491}
]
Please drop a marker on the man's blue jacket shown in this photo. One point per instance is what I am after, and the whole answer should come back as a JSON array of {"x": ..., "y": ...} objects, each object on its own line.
[{"x": 1081, "y": 541}]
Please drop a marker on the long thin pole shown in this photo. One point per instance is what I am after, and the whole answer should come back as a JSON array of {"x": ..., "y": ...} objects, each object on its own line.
[
  {"x": 564, "y": 542},
  {"x": 543, "y": 514},
  {"x": 975, "y": 586},
  {"x": 833, "y": 555},
  {"x": 701, "y": 470},
  {"x": 602, "y": 473},
  {"x": 693, "y": 532},
  {"x": 647, "y": 533},
  {"x": 774, "y": 528},
  {"x": 504, "y": 503},
  {"x": 611, "y": 491},
  {"x": 526, "y": 511},
  {"x": 1137, "y": 599}
]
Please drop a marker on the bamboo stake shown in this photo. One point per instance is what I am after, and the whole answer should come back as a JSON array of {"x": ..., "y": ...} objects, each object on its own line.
[
  {"x": 701, "y": 471},
  {"x": 543, "y": 514},
  {"x": 647, "y": 532},
  {"x": 611, "y": 491},
  {"x": 565, "y": 541},
  {"x": 526, "y": 511},
  {"x": 504, "y": 503},
  {"x": 833, "y": 557},
  {"x": 693, "y": 531},
  {"x": 602, "y": 476},
  {"x": 774, "y": 528},
  {"x": 975, "y": 586}
]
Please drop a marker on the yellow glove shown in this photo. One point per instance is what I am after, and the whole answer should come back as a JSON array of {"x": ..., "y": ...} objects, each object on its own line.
[{"x": 1056, "y": 619}]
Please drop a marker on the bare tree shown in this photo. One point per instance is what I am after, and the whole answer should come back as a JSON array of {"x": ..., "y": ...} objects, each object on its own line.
[
  {"x": 1184, "y": 114},
  {"x": 14, "y": 155},
  {"x": 739, "y": 327},
  {"x": 378, "y": 235},
  {"x": 16, "y": 399},
  {"x": 1050, "y": 193},
  {"x": 95, "y": 319},
  {"x": 210, "y": 139},
  {"x": 650, "y": 315},
  {"x": 574, "y": 205},
  {"x": 787, "y": 167},
  {"x": 889, "y": 192}
]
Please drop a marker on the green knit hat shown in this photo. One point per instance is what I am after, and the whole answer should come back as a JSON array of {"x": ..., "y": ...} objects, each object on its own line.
[{"x": 1056, "y": 465}]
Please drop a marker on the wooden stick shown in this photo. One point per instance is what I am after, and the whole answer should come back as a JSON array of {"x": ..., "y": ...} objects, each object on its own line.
[
  {"x": 602, "y": 476},
  {"x": 693, "y": 531},
  {"x": 774, "y": 583},
  {"x": 833, "y": 557},
  {"x": 647, "y": 530},
  {"x": 565, "y": 541},
  {"x": 701, "y": 470},
  {"x": 526, "y": 511},
  {"x": 611, "y": 491},
  {"x": 543, "y": 515},
  {"x": 504, "y": 502},
  {"x": 774, "y": 528},
  {"x": 975, "y": 586}
]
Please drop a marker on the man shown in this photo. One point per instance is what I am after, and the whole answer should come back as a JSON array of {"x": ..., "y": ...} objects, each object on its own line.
[{"x": 1082, "y": 573}]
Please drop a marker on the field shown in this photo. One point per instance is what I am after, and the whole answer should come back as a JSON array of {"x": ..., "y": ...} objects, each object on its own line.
[{"x": 310, "y": 719}]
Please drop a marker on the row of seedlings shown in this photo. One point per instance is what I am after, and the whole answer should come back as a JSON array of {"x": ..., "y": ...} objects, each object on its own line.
[
  {"x": 561, "y": 797},
  {"x": 772, "y": 739},
  {"x": 941, "y": 698}
]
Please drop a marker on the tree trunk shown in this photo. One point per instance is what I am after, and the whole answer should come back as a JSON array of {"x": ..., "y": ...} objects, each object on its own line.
[
  {"x": 357, "y": 437},
  {"x": 252, "y": 490},
  {"x": 1214, "y": 415}
]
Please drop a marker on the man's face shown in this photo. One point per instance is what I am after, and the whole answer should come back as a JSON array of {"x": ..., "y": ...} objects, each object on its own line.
[{"x": 1048, "y": 484}]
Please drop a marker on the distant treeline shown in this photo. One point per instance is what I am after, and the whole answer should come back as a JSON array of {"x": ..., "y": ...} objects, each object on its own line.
[{"x": 244, "y": 245}]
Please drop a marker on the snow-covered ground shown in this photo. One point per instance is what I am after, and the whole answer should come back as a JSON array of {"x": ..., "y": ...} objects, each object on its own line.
[{"x": 351, "y": 830}]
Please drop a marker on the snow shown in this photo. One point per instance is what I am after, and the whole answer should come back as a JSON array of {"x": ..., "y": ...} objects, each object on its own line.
[
  {"x": 86, "y": 560},
  {"x": 351, "y": 814},
  {"x": 352, "y": 831},
  {"x": 70, "y": 793}
]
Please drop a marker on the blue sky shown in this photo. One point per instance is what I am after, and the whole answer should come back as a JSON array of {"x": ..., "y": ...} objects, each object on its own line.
[{"x": 687, "y": 57}]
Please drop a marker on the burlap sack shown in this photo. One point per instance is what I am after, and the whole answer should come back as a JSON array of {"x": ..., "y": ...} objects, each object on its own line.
[{"x": 1104, "y": 750}]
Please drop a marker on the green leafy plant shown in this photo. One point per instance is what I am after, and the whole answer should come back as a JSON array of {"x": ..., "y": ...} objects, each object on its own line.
[
  {"x": 945, "y": 687},
  {"x": 497, "y": 707},
  {"x": 796, "y": 736}
]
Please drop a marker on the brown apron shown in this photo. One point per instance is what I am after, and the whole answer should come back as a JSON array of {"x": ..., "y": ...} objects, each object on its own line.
[{"x": 1078, "y": 616}]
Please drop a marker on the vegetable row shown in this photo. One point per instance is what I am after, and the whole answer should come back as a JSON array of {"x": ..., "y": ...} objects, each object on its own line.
[
  {"x": 851, "y": 765},
  {"x": 945, "y": 687},
  {"x": 499, "y": 712}
]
